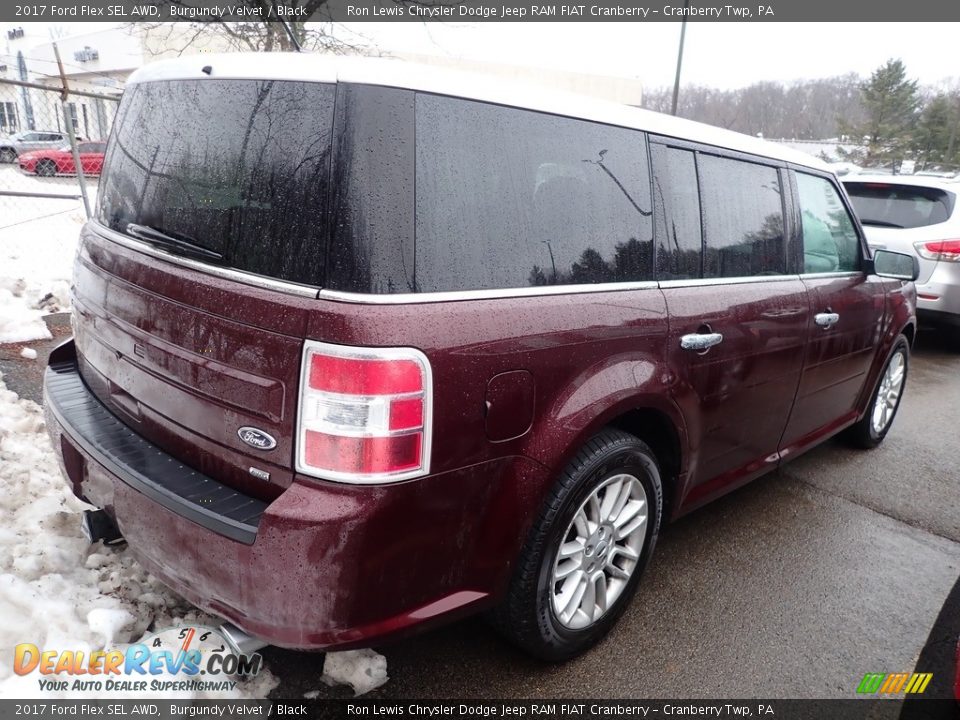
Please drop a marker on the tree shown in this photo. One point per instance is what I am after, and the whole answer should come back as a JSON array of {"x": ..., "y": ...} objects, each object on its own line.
[
  {"x": 936, "y": 136},
  {"x": 891, "y": 102}
]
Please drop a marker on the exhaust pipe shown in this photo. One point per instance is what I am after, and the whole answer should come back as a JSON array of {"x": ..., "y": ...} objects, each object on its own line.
[
  {"x": 239, "y": 641},
  {"x": 97, "y": 525}
]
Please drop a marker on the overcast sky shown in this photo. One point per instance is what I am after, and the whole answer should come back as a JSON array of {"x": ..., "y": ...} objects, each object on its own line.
[{"x": 718, "y": 54}]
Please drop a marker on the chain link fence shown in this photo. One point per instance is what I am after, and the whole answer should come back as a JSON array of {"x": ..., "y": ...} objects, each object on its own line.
[{"x": 52, "y": 141}]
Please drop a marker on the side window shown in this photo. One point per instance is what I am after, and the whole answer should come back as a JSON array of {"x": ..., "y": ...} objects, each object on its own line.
[
  {"x": 830, "y": 241},
  {"x": 676, "y": 202},
  {"x": 508, "y": 198},
  {"x": 742, "y": 218}
]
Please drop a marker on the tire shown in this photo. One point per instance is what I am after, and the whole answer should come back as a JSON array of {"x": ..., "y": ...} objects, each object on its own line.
[
  {"x": 8, "y": 155},
  {"x": 46, "y": 168},
  {"x": 873, "y": 427},
  {"x": 532, "y": 615}
]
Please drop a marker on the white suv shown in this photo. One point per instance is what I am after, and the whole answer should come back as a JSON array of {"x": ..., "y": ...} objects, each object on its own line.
[{"x": 917, "y": 215}]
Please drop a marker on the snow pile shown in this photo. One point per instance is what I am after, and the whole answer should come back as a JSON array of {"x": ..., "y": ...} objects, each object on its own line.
[
  {"x": 36, "y": 262},
  {"x": 56, "y": 590},
  {"x": 28, "y": 354},
  {"x": 363, "y": 670}
]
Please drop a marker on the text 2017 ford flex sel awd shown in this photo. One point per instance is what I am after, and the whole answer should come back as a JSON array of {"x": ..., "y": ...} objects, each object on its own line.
[{"x": 359, "y": 349}]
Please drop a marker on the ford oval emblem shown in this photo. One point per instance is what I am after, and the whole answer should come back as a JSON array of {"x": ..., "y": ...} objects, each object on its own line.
[{"x": 257, "y": 438}]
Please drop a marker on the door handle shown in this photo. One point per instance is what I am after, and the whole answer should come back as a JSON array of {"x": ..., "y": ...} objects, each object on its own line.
[
  {"x": 826, "y": 320},
  {"x": 700, "y": 341}
]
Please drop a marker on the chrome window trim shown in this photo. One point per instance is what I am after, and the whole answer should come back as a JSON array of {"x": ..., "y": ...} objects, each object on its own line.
[
  {"x": 698, "y": 282},
  {"x": 241, "y": 276},
  {"x": 840, "y": 274},
  {"x": 495, "y": 294}
]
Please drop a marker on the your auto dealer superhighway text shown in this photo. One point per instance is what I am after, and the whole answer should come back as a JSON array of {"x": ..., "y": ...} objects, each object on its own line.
[{"x": 584, "y": 11}]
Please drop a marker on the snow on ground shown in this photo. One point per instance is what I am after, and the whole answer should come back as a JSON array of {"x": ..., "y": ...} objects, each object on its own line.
[
  {"x": 38, "y": 239},
  {"x": 363, "y": 670},
  {"x": 56, "y": 590}
]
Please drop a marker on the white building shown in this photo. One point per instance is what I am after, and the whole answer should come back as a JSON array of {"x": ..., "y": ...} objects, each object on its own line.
[{"x": 96, "y": 62}]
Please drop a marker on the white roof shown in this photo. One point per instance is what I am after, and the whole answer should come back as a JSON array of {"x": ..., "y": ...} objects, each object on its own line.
[
  {"x": 930, "y": 181},
  {"x": 312, "y": 67}
]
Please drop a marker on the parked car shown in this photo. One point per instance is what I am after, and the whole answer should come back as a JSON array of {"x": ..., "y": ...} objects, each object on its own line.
[
  {"x": 59, "y": 161},
  {"x": 13, "y": 146},
  {"x": 438, "y": 347},
  {"x": 917, "y": 215}
]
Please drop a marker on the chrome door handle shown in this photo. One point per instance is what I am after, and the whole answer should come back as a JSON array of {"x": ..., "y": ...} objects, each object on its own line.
[
  {"x": 826, "y": 320},
  {"x": 700, "y": 341}
]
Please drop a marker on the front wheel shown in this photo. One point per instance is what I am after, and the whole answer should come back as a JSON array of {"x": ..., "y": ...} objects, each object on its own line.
[
  {"x": 46, "y": 168},
  {"x": 587, "y": 549},
  {"x": 8, "y": 155},
  {"x": 885, "y": 401}
]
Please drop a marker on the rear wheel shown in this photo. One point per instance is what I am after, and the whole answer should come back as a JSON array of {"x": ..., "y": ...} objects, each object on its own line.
[
  {"x": 8, "y": 155},
  {"x": 46, "y": 168},
  {"x": 587, "y": 550},
  {"x": 885, "y": 401}
]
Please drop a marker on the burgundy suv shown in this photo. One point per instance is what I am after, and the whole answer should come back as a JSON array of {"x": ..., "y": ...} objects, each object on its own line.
[{"x": 359, "y": 349}]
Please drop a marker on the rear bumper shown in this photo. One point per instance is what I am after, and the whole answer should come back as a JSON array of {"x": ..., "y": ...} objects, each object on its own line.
[
  {"x": 940, "y": 295},
  {"x": 325, "y": 565}
]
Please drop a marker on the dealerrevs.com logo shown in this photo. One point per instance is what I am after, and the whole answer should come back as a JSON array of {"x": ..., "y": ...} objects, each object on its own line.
[{"x": 183, "y": 659}]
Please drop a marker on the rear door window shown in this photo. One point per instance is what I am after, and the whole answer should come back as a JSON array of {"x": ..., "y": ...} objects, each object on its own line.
[
  {"x": 676, "y": 200},
  {"x": 830, "y": 242},
  {"x": 507, "y": 198},
  {"x": 899, "y": 206},
  {"x": 742, "y": 218},
  {"x": 239, "y": 167}
]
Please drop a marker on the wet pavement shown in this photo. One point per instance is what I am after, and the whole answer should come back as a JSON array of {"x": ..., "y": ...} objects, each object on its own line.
[{"x": 841, "y": 563}]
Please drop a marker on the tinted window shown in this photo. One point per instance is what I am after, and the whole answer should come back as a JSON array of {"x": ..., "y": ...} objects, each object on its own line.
[
  {"x": 372, "y": 245},
  {"x": 239, "y": 167},
  {"x": 900, "y": 206},
  {"x": 830, "y": 241},
  {"x": 677, "y": 203},
  {"x": 742, "y": 218},
  {"x": 508, "y": 198}
]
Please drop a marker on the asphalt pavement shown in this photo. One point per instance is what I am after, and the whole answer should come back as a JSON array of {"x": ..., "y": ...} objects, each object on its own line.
[{"x": 841, "y": 563}]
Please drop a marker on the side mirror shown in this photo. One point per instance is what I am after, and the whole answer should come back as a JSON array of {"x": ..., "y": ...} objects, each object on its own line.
[{"x": 898, "y": 266}]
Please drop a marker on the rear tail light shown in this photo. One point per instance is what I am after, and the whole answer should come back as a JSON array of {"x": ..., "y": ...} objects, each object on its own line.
[
  {"x": 946, "y": 250},
  {"x": 364, "y": 413}
]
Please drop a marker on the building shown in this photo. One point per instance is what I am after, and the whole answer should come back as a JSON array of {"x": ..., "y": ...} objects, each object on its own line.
[{"x": 96, "y": 62}]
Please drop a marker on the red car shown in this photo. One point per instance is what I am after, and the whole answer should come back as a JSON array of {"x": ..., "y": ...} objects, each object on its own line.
[
  {"x": 59, "y": 161},
  {"x": 360, "y": 351}
]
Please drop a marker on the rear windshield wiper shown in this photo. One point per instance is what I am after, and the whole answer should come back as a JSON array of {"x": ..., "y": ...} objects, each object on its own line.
[
  {"x": 169, "y": 242},
  {"x": 881, "y": 223}
]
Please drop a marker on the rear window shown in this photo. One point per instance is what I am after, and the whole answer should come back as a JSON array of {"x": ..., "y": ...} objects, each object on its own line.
[
  {"x": 899, "y": 206},
  {"x": 508, "y": 198},
  {"x": 237, "y": 167}
]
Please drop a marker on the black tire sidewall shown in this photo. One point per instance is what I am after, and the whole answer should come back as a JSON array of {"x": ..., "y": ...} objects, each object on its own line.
[
  {"x": 44, "y": 166},
  {"x": 632, "y": 457}
]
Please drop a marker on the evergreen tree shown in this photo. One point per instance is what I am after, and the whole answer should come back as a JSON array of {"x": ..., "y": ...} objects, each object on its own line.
[
  {"x": 936, "y": 138},
  {"x": 890, "y": 101}
]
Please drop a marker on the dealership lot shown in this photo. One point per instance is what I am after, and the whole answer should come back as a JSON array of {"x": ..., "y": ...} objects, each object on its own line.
[{"x": 795, "y": 586}]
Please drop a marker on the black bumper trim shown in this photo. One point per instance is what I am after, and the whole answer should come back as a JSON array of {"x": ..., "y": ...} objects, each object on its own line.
[{"x": 138, "y": 462}]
